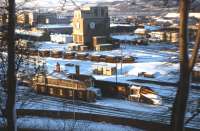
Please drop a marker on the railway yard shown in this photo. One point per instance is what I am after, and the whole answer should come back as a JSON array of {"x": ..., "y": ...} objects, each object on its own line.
[
  {"x": 163, "y": 62},
  {"x": 100, "y": 65},
  {"x": 107, "y": 106}
]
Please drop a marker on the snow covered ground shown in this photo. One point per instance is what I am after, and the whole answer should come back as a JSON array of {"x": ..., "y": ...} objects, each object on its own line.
[
  {"x": 26, "y": 99},
  {"x": 75, "y": 125},
  {"x": 44, "y": 123},
  {"x": 157, "y": 59},
  {"x": 130, "y": 105}
]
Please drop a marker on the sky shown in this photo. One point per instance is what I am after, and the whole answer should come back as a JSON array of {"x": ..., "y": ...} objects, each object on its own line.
[{"x": 54, "y": 3}]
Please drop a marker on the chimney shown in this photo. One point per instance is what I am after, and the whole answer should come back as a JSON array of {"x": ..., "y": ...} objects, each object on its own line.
[
  {"x": 4, "y": 19},
  {"x": 77, "y": 70},
  {"x": 57, "y": 67}
]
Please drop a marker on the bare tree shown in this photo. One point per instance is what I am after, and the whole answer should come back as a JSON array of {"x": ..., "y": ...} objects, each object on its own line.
[
  {"x": 11, "y": 60},
  {"x": 186, "y": 66},
  {"x": 11, "y": 74}
]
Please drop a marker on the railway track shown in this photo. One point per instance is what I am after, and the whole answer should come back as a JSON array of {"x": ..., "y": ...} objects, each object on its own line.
[
  {"x": 55, "y": 103},
  {"x": 46, "y": 102}
]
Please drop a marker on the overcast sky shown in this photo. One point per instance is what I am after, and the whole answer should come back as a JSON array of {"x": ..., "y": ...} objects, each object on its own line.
[{"x": 52, "y": 3}]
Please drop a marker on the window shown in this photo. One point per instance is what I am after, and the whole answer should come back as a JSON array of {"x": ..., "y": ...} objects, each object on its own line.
[
  {"x": 70, "y": 93},
  {"x": 46, "y": 21},
  {"x": 61, "y": 92},
  {"x": 135, "y": 91},
  {"x": 80, "y": 38},
  {"x": 80, "y": 94},
  {"x": 42, "y": 89},
  {"x": 51, "y": 91},
  {"x": 102, "y": 12},
  {"x": 95, "y": 12}
]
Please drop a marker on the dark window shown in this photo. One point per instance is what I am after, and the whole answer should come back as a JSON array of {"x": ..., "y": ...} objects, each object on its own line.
[
  {"x": 102, "y": 12},
  {"x": 95, "y": 12}
]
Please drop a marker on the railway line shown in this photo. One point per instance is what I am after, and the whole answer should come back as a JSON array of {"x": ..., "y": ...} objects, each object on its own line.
[
  {"x": 51, "y": 102},
  {"x": 43, "y": 102}
]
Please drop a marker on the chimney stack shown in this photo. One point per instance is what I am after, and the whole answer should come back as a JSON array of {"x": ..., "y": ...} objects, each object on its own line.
[
  {"x": 4, "y": 19},
  {"x": 57, "y": 67},
  {"x": 77, "y": 70}
]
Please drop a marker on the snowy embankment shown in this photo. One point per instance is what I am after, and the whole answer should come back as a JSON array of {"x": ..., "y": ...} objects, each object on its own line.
[
  {"x": 75, "y": 125},
  {"x": 43, "y": 123}
]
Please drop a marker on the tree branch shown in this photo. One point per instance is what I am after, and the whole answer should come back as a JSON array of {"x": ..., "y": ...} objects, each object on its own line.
[{"x": 195, "y": 51}]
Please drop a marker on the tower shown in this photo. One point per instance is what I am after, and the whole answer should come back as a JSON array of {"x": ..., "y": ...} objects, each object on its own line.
[{"x": 88, "y": 23}]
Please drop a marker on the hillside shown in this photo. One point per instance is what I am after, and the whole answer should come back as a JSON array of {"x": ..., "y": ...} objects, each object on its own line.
[{"x": 146, "y": 7}]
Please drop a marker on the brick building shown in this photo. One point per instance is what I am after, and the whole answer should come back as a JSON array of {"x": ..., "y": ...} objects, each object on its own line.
[{"x": 88, "y": 23}]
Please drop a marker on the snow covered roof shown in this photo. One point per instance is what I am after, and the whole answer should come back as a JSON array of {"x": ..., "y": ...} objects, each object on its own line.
[
  {"x": 53, "y": 26},
  {"x": 58, "y": 75},
  {"x": 106, "y": 44},
  {"x": 140, "y": 30},
  {"x": 152, "y": 28},
  {"x": 61, "y": 35},
  {"x": 197, "y": 67},
  {"x": 155, "y": 98},
  {"x": 126, "y": 37},
  {"x": 135, "y": 87},
  {"x": 124, "y": 25},
  {"x": 176, "y": 15},
  {"x": 51, "y": 46},
  {"x": 32, "y": 33},
  {"x": 164, "y": 20}
]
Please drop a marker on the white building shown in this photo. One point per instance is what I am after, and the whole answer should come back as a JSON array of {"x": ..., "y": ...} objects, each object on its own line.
[{"x": 61, "y": 38}]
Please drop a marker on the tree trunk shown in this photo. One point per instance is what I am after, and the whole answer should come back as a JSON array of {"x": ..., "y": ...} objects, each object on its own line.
[
  {"x": 179, "y": 107},
  {"x": 11, "y": 73},
  {"x": 195, "y": 51}
]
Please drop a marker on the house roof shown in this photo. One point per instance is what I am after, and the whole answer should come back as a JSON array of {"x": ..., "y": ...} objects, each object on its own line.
[
  {"x": 176, "y": 15},
  {"x": 58, "y": 75}
]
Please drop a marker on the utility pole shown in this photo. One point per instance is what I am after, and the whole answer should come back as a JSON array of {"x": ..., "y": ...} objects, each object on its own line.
[
  {"x": 116, "y": 73},
  {"x": 121, "y": 58}
]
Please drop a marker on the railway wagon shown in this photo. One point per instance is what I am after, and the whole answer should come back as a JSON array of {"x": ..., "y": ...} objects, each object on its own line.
[
  {"x": 44, "y": 53},
  {"x": 69, "y": 55},
  {"x": 144, "y": 95},
  {"x": 112, "y": 59},
  {"x": 128, "y": 59},
  {"x": 56, "y": 54},
  {"x": 103, "y": 58},
  {"x": 145, "y": 74},
  {"x": 95, "y": 58},
  {"x": 82, "y": 56},
  {"x": 33, "y": 52}
]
